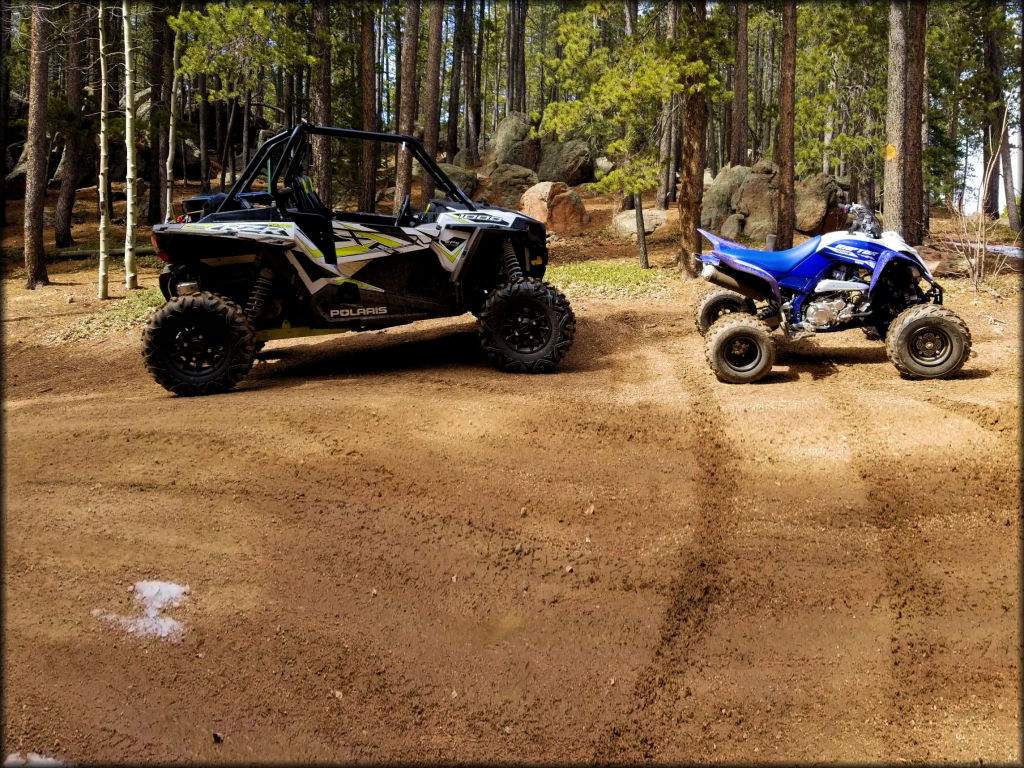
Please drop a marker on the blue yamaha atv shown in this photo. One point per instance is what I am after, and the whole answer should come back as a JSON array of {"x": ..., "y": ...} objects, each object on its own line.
[{"x": 862, "y": 278}]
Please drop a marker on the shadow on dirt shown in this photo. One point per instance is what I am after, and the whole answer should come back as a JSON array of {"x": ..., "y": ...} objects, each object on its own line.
[{"x": 820, "y": 363}]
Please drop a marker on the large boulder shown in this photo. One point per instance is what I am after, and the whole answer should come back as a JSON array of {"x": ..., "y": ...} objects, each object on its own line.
[
  {"x": 602, "y": 167},
  {"x": 569, "y": 161},
  {"x": 624, "y": 223},
  {"x": 732, "y": 227},
  {"x": 512, "y": 143},
  {"x": 464, "y": 179},
  {"x": 507, "y": 184},
  {"x": 718, "y": 197},
  {"x": 756, "y": 200},
  {"x": 815, "y": 197},
  {"x": 559, "y": 207}
]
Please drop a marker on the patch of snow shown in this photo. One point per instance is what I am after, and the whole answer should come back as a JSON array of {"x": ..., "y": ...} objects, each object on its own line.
[
  {"x": 153, "y": 597},
  {"x": 30, "y": 758}
]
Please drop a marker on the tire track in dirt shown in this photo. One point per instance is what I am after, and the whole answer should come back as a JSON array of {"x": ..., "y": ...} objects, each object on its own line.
[
  {"x": 698, "y": 586},
  {"x": 902, "y": 511}
]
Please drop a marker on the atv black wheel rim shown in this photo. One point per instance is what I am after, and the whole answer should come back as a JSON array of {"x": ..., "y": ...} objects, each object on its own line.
[
  {"x": 526, "y": 328},
  {"x": 198, "y": 348},
  {"x": 930, "y": 346},
  {"x": 742, "y": 353}
]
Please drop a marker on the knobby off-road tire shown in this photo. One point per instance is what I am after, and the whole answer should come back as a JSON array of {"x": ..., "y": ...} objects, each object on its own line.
[
  {"x": 717, "y": 304},
  {"x": 526, "y": 327},
  {"x": 198, "y": 344},
  {"x": 740, "y": 348},
  {"x": 928, "y": 341}
]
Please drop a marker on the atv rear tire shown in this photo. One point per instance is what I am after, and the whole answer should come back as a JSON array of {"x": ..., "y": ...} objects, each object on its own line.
[
  {"x": 928, "y": 341},
  {"x": 740, "y": 349},
  {"x": 198, "y": 344},
  {"x": 526, "y": 327},
  {"x": 717, "y": 304}
]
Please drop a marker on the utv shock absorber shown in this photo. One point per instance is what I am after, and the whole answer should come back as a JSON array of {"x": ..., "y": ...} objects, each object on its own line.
[
  {"x": 260, "y": 292},
  {"x": 512, "y": 268}
]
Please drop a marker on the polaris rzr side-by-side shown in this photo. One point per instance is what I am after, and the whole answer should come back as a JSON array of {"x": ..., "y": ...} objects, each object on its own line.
[
  {"x": 862, "y": 278},
  {"x": 270, "y": 260}
]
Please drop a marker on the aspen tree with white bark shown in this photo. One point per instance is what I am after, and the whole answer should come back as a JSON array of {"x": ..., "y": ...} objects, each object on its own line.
[
  {"x": 131, "y": 280},
  {"x": 102, "y": 290}
]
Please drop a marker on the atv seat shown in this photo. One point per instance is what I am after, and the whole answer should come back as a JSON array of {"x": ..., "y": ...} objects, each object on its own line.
[
  {"x": 773, "y": 261},
  {"x": 313, "y": 217}
]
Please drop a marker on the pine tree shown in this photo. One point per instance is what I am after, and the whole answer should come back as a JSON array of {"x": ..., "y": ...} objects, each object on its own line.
[
  {"x": 72, "y": 148},
  {"x": 407, "y": 116},
  {"x": 784, "y": 154},
  {"x": 36, "y": 147}
]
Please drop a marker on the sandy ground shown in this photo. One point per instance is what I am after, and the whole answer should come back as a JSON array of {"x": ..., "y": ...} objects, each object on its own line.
[{"x": 395, "y": 552}]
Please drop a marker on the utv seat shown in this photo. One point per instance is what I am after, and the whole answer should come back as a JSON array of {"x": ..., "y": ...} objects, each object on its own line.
[{"x": 313, "y": 217}]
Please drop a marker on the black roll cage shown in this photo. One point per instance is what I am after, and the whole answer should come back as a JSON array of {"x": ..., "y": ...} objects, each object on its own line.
[{"x": 292, "y": 140}]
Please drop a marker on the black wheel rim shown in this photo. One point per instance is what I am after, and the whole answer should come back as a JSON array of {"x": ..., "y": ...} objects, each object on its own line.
[
  {"x": 198, "y": 347},
  {"x": 742, "y": 353},
  {"x": 930, "y": 346},
  {"x": 525, "y": 328}
]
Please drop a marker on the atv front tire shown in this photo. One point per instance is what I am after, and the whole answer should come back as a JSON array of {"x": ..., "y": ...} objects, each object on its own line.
[
  {"x": 198, "y": 344},
  {"x": 928, "y": 341},
  {"x": 717, "y": 304},
  {"x": 740, "y": 349},
  {"x": 526, "y": 326}
]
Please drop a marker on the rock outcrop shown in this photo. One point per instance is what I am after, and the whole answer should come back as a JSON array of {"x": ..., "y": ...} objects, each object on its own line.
[
  {"x": 567, "y": 161},
  {"x": 559, "y": 207},
  {"x": 466, "y": 180},
  {"x": 624, "y": 223},
  {"x": 507, "y": 184}
]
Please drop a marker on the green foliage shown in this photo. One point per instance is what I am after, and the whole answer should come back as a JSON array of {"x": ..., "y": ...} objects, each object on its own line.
[
  {"x": 234, "y": 40},
  {"x": 609, "y": 279}
]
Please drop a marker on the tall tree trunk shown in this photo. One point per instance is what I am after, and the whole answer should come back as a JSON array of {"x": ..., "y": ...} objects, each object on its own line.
[
  {"x": 410, "y": 37},
  {"x": 157, "y": 113},
  {"x": 226, "y": 147},
  {"x": 5, "y": 98},
  {"x": 472, "y": 102},
  {"x": 737, "y": 144},
  {"x": 787, "y": 79},
  {"x": 36, "y": 148},
  {"x": 926, "y": 197},
  {"x": 72, "y": 147},
  {"x": 991, "y": 126},
  {"x": 432, "y": 117},
  {"x": 667, "y": 181},
  {"x": 204, "y": 133},
  {"x": 691, "y": 176},
  {"x": 367, "y": 78},
  {"x": 130, "y": 278},
  {"x": 102, "y": 187},
  {"x": 521, "y": 56},
  {"x": 913, "y": 167},
  {"x": 641, "y": 232},
  {"x": 320, "y": 99},
  {"x": 169, "y": 167},
  {"x": 894, "y": 190},
  {"x": 452, "y": 146},
  {"x": 478, "y": 95},
  {"x": 630, "y": 9}
]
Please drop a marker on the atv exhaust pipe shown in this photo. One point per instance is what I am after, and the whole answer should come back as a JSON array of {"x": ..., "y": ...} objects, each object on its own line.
[{"x": 744, "y": 284}]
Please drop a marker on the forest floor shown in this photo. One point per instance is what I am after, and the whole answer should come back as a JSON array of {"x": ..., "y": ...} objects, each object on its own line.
[{"x": 395, "y": 552}]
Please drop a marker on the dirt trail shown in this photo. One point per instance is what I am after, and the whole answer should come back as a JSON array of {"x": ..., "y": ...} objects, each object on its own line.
[{"x": 395, "y": 552}]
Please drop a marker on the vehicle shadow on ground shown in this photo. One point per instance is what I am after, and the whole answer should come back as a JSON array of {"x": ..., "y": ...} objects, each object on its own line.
[{"x": 801, "y": 359}]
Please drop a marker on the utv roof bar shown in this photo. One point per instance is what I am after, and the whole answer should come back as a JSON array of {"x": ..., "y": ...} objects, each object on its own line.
[{"x": 291, "y": 140}]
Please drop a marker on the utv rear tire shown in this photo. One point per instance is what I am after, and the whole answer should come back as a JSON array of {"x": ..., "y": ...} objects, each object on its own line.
[
  {"x": 198, "y": 344},
  {"x": 526, "y": 327},
  {"x": 740, "y": 349},
  {"x": 928, "y": 341},
  {"x": 719, "y": 303}
]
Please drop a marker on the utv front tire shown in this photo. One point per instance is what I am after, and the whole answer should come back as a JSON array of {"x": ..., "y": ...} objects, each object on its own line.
[
  {"x": 928, "y": 341},
  {"x": 198, "y": 344},
  {"x": 740, "y": 349},
  {"x": 719, "y": 303},
  {"x": 526, "y": 327}
]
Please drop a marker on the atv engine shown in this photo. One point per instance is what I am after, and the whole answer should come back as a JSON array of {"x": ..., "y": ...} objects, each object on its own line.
[{"x": 837, "y": 298}]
